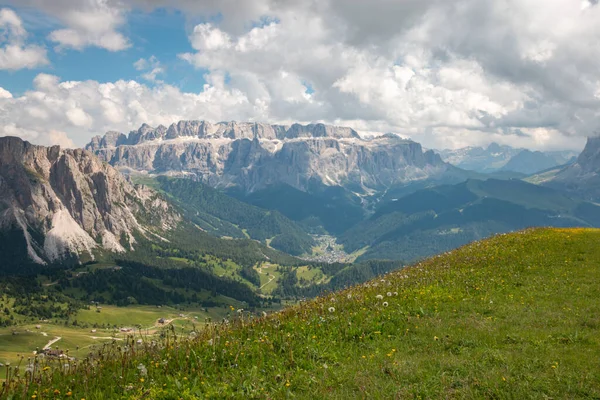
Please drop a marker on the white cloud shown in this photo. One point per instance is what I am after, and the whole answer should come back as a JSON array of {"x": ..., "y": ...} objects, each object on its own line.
[
  {"x": 445, "y": 73},
  {"x": 14, "y": 52},
  {"x": 152, "y": 68},
  {"x": 86, "y": 22},
  {"x": 82, "y": 109},
  {"x": 5, "y": 94},
  {"x": 59, "y": 138}
]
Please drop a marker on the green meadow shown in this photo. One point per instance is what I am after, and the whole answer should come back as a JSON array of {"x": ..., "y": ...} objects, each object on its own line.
[{"x": 516, "y": 316}]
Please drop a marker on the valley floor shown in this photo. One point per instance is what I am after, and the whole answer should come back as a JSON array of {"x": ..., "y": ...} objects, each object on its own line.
[{"x": 516, "y": 316}]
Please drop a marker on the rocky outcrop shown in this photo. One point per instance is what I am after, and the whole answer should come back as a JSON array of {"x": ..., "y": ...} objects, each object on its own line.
[
  {"x": 68, "y": 203},
  {"x": 253, "y": 155}
]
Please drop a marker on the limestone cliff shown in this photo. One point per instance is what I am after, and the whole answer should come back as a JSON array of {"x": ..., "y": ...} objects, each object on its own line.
[
  {"x": 253, "y": 155},
  {"x": 68, "y": 203}
]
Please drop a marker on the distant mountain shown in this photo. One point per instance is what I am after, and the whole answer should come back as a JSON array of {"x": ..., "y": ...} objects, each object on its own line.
[
  {"x": 582, "y": 177},
  {"x": 505, "y": 158},
  {"x": 60, "y": 205},
  {"x": 254, "y": 156},
  {"x": 438, "y": 219},
  {"x": 530, "y": 162},
  {"x": 490, "y": 159}
]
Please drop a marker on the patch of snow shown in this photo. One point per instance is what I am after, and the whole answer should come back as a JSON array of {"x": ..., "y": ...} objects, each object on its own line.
[{"x": 66, "y": 236}]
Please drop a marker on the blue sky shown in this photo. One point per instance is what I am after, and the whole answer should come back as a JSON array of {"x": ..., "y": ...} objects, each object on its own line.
[
  {"x": 161, "y": 33},
  {"x": 446, "y": 74}
]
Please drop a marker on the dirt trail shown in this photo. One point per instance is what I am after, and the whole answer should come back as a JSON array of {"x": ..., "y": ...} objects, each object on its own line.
[
  {"x": 270, "y": 280},
  {"x": 50, "y": 343}
]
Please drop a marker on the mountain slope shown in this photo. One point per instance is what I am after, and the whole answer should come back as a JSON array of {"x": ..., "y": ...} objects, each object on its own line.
[
  {"x": 324, "y": 208},
  {"x": 65, "y": 205},
  {"x": 434, "y": 220},
  {"x": 252, "y": 156},
  {"x": 217, "y": 213},
  {"x": 582, "y": 177},
  {"x": 514, "y": 316}
]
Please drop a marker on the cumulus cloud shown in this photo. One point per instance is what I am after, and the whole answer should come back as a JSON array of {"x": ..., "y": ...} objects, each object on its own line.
[
  {"x": 14, "y": 52},
  {"x": 81, "y": 109},
  {"x": 445, "y": 73}
]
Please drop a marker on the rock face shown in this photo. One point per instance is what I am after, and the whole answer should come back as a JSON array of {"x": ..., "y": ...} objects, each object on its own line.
[
  {"x": 582, "y": 177},
  {"x": 253, "y": 155},
  {"x": 68, "y": 203}
]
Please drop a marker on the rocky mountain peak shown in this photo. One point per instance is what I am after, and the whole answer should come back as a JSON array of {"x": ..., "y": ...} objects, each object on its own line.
[
  {"x": 589, "y": 159},
  {"x": 68, "y": 203}
]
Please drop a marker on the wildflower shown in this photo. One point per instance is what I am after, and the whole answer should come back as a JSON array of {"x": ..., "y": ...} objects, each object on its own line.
[
  {"x": 385, "y": 304},
  {"x": 349, "y": 296},
  {"x": 379, "y": 297},
  {"x": 143, "y": 370},
  {"x": 436, "y": 338},
  {"x": 69, "y": 394},
  {"x": 389, "y": 294},
  {"x": 142, "y": 380},
  {"x": 331, "y": 309}
]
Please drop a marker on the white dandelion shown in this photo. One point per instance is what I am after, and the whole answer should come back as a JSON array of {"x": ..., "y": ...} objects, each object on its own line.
[
  {"x": 143, "y": 370},
  {"x": 379, "y": 297},
  {"x": 331, "y": 309},
  {"x": 385, "y": 304}
]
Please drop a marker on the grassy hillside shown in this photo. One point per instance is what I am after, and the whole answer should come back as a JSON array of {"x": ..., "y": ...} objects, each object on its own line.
[
  {"x": 435, "y": 220},
  {"x": 515, "y": 316}
]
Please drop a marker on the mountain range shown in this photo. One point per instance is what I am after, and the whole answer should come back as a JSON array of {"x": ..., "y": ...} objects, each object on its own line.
[
  {"x": 230, "y": 196},
  {"x": 253, "y": 156},
  {"x": 505, "y": 158}
]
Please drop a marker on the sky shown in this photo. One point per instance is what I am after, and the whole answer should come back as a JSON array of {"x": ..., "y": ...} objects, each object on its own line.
[{"x": 447, "y": 74}]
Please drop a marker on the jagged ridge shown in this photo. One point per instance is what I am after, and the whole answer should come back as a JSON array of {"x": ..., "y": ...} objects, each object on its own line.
[
  {"x": 68, "y": 203},
  {"x": 255, "y": 155}
]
